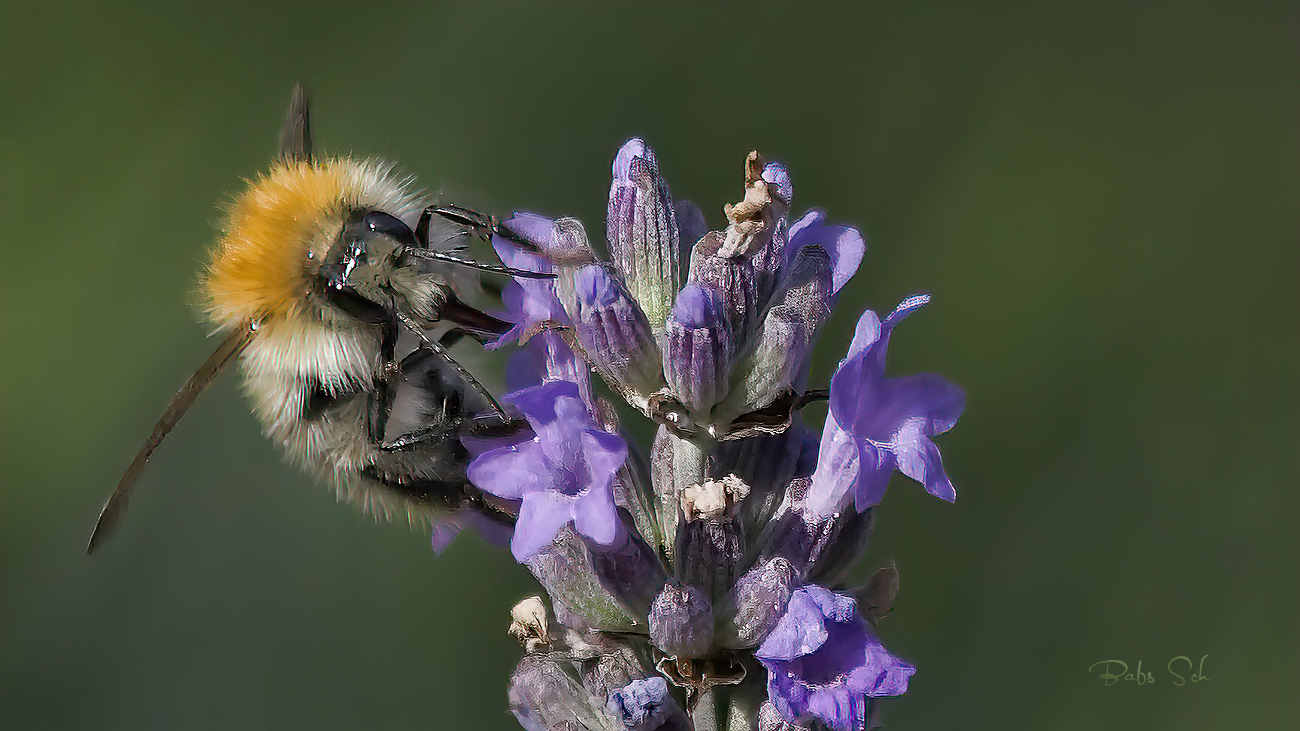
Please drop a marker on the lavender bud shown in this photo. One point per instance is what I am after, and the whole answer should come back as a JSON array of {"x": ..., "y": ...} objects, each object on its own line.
[
  {"x": 630, "y": 572},
  {"x": 675, "y": 464},
  {"x": 578, "y": 597},
  {"x": 733, "y": 278},
  {"x": 642, "y": 231},
  {"x": 568, "y": 245},
  {"x": 545, "y": 695},
  {"x": 770, "y": 719},
  {"x": 614, "y": 668},
  {"x": 681, "y": 621},
  {"x": 698, "y": 344},
  {"x": 820, "y": 547},
  {"x": 710, "y": 552},
  {"x": 646, "y": 705},
  {"x": 767, "y": 464},
  {"x": 611, "y": 328},
  {"x": 756, "y": 602},
  {"x": 691, "y": 226},
  {"x": 786, "y": 338},
  {"x": 778, "y": 182}
]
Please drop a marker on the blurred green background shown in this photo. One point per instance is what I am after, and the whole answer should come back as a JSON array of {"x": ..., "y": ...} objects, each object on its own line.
[{"x": 1102, "y": 200}]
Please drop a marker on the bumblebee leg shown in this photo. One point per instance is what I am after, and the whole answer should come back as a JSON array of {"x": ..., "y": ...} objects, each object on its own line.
[{"x": 483, "y": 225}]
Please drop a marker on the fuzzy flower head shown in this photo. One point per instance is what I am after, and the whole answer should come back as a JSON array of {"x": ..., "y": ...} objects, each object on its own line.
[
  {"x": 823, "y": 661},
  {"x": 562, "y": 474}
]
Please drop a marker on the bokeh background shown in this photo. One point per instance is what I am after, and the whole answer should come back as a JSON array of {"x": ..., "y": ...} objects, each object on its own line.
[{"x": 1102, "y": 200}]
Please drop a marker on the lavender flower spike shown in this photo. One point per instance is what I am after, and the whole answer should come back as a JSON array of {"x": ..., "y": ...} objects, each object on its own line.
[
  {"x": 878, "y": 424},
  {"x": 823, "y": 662},
  {"x": 562, "y": 474},
  {"x": 675, "y": 572}
]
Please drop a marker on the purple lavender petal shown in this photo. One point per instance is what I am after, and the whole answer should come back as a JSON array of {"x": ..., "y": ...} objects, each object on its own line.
[
  {"x": 444, "y": 532},
  {"x": 595, "y": 517},
  {"x": 892, "y": 419},
  {"x": 531, "y": 227},
  {"x": 882, "y": 674},
  {"x": 509, "y": 472},
  {"x": 800, "y": 631},
  {"x": 837, "y": 707},
  {"x": 541, "y": 516},
  {"x": 846, "y": 664},
  {"x": 561, "y": 442},
  {"x": 547, "y": 357},
  {"x": 529, "y": 302},
  {"x": 837, "y": 472},
  {"x": 778, "y": 181},
  {"x": 845, "y": 244},
  {"x": 919, "y": 459},
  {"x": 876, "y": 465},
  {"x": 834, "y": 607},
  {"x": 447, "y": 527},
  {"x": 563, "y": 473},
  {"x": 604, "y": 454},
  {"x": 537, "y": 403}
]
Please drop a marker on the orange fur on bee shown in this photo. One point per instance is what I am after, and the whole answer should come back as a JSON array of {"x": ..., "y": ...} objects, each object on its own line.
[{"x": 260, "y": 268}]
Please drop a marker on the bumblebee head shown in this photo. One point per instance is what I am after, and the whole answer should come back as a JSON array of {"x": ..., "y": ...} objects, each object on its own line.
[
  {"x": 369, "y": 273},
  {"x": 313, "y": 240}
]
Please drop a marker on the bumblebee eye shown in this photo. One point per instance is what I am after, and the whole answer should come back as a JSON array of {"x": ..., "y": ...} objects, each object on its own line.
[{"x": 378, "y": 222}]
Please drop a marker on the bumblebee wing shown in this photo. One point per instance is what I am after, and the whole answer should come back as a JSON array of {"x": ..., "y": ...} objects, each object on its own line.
[
  {"x": 115, "y": 506},
  {"x": 435, "y": 398},
  {"x": 295, "y": 134}
]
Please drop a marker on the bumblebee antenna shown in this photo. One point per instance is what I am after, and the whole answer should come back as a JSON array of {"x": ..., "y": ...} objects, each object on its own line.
[
  {"x": 295, "y": 133},
  {"x": 115, "y": 506}
]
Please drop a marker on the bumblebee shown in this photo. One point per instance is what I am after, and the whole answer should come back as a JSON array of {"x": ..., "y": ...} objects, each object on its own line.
[{"x": 326, "y": 285}]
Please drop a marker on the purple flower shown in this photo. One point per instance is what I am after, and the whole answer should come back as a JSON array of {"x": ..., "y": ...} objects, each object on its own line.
[
  {"x": 877, "y": 425},
  {"x": 823, "y": 661},
  {"x": 845, "y": 244},
  {"x": 529, "y": 302},
  {"x": 563, "y": 473},
  {"x": 447, "y": 527},
  {"x": 644, "y": 704}
]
